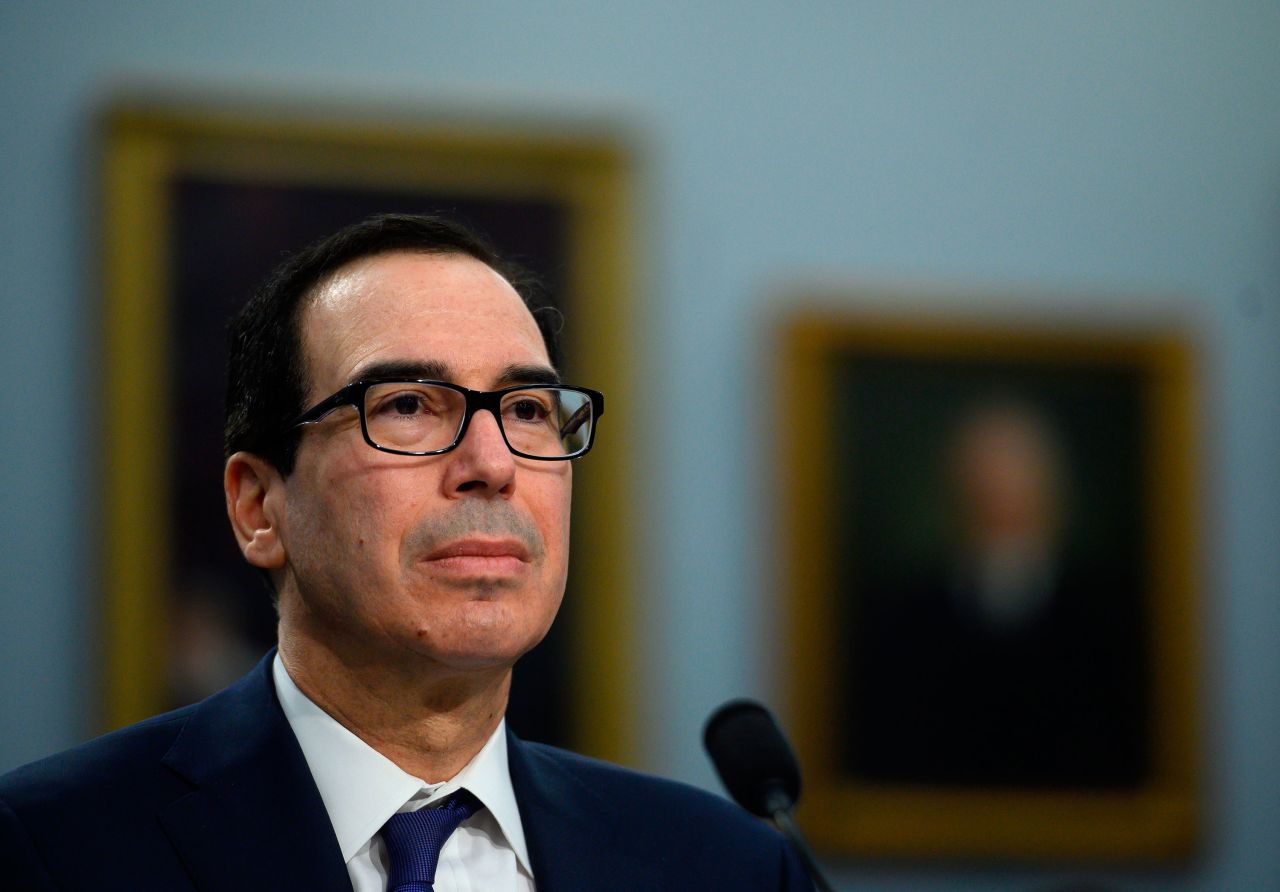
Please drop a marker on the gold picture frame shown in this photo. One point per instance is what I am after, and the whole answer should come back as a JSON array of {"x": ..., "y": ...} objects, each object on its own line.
[
  {"x": 891, "y": 703},
  {"x": 578, "y": 177}
]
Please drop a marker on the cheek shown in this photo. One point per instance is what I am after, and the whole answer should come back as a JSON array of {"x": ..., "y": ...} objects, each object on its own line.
[
  {"x": 338, "y": 527},
  {"x": 557, "y": 500},
  {"x": 559, "y": 553}
]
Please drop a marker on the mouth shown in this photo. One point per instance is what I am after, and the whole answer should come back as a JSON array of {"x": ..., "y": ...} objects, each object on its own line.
[{"x": 480, "y": 557}]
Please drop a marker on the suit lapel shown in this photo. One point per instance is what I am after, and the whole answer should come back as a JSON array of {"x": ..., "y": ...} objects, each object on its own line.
[
  {"x": 575, "y": 835},
  {"x": 255, "y": 819}
]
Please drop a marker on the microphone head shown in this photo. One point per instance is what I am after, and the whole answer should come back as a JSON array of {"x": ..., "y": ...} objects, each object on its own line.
[{"x": 752, "y": 757}]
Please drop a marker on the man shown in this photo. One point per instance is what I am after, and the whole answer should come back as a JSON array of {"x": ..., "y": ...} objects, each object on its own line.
[
  {"x": 399, "y": 465},
  {"x": 1012, "y": 644}
]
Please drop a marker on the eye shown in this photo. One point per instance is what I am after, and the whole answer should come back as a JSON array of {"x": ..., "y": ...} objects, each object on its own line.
[
  {"x": 396, "y": 400},
  {"x": 529, "y": 410},
  {"x": 406, "y": 404},
  {"x": 528, "y": 407}
]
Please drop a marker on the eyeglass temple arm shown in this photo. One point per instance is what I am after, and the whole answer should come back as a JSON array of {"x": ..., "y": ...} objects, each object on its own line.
[
  {"x": 576, "y": 420},
  {"x": 320, "y": 410}
]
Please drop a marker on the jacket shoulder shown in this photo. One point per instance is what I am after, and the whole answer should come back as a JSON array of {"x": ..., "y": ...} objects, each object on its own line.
[
  {"x": 97, "y": 800},
  {"x": 692, "y": 837},
  {"x": 109, "y": 766},
  {"x": 104, "y": 814},
  {"x": 642, "y": 792}
]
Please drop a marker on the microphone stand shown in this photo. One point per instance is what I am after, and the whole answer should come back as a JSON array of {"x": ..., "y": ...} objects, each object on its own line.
[{"x": 779, "y": 806}]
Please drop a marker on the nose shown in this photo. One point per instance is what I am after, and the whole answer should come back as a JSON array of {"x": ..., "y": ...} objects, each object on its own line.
[{"x": 481, "y": 465}]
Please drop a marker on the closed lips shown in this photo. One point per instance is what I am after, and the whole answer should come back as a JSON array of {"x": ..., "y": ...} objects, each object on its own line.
[{"x": 481, "y": 548}]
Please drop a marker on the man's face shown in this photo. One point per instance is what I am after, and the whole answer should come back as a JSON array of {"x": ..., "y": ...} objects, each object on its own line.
[
  {"x": 457, "y": 558},
  {"x": 1006, "y": 473}
]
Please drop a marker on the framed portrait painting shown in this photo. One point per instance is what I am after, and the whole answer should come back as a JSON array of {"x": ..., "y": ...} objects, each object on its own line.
[
  {"x": 991, "y": 586},
  {"x": 199, "y": 203}
]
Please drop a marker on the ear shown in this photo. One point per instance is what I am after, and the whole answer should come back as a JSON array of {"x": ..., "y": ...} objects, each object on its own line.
[{"x": 255, "y": 494}]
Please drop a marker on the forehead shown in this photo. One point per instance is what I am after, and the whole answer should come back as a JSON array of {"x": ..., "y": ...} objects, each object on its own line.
[{"x": 449, "y": 309}]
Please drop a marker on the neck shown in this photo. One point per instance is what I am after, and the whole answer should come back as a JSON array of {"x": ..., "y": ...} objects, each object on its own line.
[{"x": 428, "y": 720}]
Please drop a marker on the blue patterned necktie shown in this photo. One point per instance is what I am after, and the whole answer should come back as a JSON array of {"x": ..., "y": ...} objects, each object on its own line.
[{"x": 414, "y": 840}]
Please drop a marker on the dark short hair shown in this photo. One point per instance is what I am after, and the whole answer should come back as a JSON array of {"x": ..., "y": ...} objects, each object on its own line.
[{"x": 266, "y": 369}]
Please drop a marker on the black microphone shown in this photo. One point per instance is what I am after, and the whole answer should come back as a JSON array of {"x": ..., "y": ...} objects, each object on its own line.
[{"x": 759, "y": 770}]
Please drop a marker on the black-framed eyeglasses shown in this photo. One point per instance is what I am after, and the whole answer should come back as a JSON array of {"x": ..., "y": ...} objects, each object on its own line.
[{"x": 547, "y": 422}]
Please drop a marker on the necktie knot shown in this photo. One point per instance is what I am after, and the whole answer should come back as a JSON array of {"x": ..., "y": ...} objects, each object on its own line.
[{"x": 414, "y": 840}]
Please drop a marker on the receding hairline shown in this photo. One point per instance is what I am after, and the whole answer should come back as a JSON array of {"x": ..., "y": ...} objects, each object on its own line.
[
  {"x": 313, "y": 295},
  {"x": 313, "y": 292}
]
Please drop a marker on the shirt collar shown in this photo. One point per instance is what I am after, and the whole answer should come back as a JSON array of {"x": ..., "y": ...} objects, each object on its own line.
[{"x": 361, "y": 788}]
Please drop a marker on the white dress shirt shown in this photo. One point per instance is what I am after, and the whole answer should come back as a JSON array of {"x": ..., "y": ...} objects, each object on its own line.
[{"x": 362, "y": 788}]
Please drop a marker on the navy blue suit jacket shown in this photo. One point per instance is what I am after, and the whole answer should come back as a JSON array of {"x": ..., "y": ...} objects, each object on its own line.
[{"x": 218, "y": 796}]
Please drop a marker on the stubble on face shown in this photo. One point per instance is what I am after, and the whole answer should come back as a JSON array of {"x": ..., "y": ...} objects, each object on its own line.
[
  {"x": 474, "y": 518},
  {"x": 366, "y": 525}
]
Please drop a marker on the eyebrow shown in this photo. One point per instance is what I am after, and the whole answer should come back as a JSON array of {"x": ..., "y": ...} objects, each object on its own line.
[
  {"x": 528, "y": 374},
  {"x": 439, "y": 371},
  {"x": 401, "y": 368}
]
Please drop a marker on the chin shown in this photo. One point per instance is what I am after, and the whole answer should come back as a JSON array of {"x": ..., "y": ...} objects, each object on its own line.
[
  {"x": 474, "y": 649},
  {"x": 476, "y": 659}
]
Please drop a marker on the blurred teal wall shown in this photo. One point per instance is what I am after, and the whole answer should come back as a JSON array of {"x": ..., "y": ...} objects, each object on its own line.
[{"x": 1071, "y": 148}]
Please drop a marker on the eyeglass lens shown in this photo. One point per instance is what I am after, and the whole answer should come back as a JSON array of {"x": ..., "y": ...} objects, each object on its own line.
[{"x": 414, "y": 417}]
